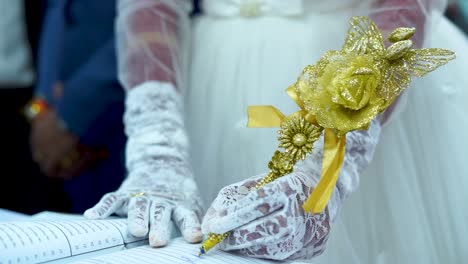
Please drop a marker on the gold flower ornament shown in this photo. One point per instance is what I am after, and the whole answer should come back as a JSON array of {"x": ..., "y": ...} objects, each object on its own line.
[
  {"x": 347, "y": 89},
  {"x": 344, "y": 91}
]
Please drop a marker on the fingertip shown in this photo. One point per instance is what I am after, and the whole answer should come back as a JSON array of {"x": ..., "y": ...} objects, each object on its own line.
[
  {"x": 91, "y": 214},
  {"x": 157, "y": 242},
  {"x": 193, "y": 235},
  {"x": 159, "y": 237},
  {"x": 137, "y": 229}
]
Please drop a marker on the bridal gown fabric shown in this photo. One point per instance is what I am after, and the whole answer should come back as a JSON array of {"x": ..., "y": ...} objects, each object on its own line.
[{"x": 410, "y": 205}]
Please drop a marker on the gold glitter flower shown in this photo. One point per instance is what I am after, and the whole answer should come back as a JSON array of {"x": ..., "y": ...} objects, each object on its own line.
[
  {"x": 297, "y": 137},
  {"x": 347, "y": 89},
  {"x": 281, "y": 164},
  {"x": 342, "y": 93}
]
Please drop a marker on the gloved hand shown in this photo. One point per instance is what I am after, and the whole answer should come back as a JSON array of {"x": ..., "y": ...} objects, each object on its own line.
[
  {"x": 160, "y": 184},
  {"x": 270, "y": 222}
]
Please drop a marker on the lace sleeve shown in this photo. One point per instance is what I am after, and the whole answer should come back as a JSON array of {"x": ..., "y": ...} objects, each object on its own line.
[
  {"x": 360, "y": 147},
  {"x": 151, "y": 35},
  {"x": 155, "y": 127},
  {"x": 151, "y": 40}
]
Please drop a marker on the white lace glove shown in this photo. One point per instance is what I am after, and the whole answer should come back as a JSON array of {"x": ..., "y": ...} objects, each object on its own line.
[
  {"x": 270, "y": 222},
  {"x": 157, "y": 161},
  {"x": 150, "y": 35}
]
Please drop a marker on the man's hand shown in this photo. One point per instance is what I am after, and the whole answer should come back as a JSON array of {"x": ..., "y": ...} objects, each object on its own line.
[{"x": 51, "y": 143}]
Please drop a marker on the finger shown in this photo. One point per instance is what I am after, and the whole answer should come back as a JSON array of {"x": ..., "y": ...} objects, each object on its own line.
[
  {"x": 240, "y": 188},
  {"x": 160, "y": 224},
  {"x": 227, "y": 197},
  {"x": 188, "y": 223},
  {"x": 257, "y": 204},
  {"x": 138, "y": 216},
  {"x": 237, "y": 190},
  {"x": 265, "y": 230},
  {"x": 105, "y": 207}
]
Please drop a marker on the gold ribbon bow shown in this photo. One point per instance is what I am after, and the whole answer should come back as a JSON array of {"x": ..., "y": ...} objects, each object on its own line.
[{"x": 263, "y": 116}]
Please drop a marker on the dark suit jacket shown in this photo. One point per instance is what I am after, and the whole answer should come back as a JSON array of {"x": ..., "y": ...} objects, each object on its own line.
[{"x": 77, "y": 47}]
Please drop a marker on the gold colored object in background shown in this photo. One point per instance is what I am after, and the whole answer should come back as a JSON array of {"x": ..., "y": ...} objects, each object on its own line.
[
  {"x": 34, "y": 108},
  {"x": 344, "y": 91},
  {"x": 138, "y": 194}
]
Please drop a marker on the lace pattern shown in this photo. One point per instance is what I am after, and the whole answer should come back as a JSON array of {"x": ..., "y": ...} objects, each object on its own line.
[
  {"x": 154, "y": 125},
  {"x": 160, "y": 185},
  {"x": 360, "y": 148}
]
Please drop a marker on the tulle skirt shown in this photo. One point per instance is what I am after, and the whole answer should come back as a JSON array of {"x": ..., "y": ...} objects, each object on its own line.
[{"x": 410, "y": 207}]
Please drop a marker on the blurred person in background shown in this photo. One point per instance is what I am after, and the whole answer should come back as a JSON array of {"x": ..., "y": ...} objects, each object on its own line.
[
  {"x": 76, "y": 115},
  {"x": 19, "y": 24}
]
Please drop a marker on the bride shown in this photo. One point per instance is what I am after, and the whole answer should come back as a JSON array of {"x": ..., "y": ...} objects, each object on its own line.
[{"x": 247, "y": 52}]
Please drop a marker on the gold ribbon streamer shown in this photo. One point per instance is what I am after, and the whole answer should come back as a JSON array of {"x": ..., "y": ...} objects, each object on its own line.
[
  {"x": 333, "y": 153},
  {"x": 333, "y": 156},
  {"x": 264, "y": 116}
]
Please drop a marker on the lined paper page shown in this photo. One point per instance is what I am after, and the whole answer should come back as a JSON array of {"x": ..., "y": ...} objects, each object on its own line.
[
  {"x": 33, "y": 242},
  {"x": 30, "y": 242},
  {"x": 121, "y": 225},
  {"x": 177, "y": 252}
]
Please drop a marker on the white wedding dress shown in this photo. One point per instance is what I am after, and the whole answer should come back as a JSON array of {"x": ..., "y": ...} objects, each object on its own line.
[{"x": 410, "y": 206}]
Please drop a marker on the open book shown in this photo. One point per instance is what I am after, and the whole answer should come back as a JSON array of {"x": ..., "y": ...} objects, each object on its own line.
[{"x": 95, "y": 242}]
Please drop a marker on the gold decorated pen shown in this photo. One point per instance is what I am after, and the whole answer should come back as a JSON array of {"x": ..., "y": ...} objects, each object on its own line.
[
  {"x": 344, "y": 91},
  {"x": 214, "y": 239}
]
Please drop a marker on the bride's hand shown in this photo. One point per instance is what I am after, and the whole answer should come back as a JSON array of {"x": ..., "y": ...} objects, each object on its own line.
[
  {"x": 269, "y": 222},
  {"x": 160, "y": 183},
  {"x": 152, "y": 202}
]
